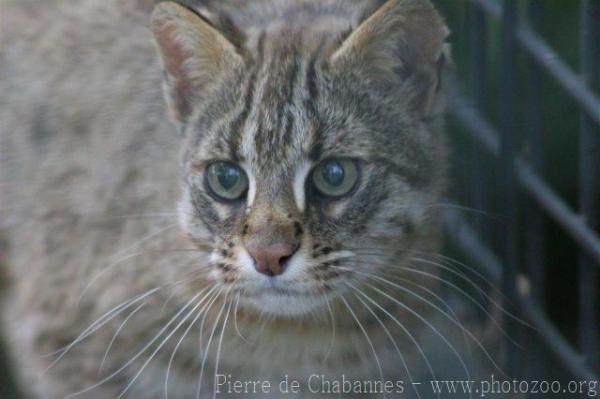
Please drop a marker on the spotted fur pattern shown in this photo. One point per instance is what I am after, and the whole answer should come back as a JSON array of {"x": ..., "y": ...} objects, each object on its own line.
[{"x": 92, "y": 170}]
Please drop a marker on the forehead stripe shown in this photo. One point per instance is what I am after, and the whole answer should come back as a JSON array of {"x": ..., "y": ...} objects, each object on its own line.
[
  {"x": 279, "y": 88},
  {"x": 311, "y": 72},
  {"x": 238, "y": 122},
  {"x": 289, "y": 119},
  {"x": 235, "y": 130},
  {"x": 309, "y": 104}
]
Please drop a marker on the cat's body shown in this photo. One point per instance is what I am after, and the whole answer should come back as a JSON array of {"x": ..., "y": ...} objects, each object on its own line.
[{"x": 91, "y": 175}]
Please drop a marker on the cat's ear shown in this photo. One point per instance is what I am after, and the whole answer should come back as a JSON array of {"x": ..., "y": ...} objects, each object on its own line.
[
  {"x": 401, "y": 39},
  {"x": 193, "y": 53}
]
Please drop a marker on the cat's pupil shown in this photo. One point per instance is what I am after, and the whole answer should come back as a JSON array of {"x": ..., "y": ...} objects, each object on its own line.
[
  {"x": 333, "y": 173},
  {"x": 228, "y": 176}
]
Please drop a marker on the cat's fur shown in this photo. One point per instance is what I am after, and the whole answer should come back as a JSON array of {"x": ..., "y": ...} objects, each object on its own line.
[{"x": 92, "y": 170}]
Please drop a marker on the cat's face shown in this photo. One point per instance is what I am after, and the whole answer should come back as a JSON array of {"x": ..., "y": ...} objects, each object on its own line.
[{"x": 303, "y": 175}]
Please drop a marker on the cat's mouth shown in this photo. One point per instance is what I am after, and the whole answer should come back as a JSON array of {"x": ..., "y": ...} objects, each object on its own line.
[
  {"x": 276, "y": 288},
  {"x": 284, "y": 303},
  {"x": 278, "y": 300}
]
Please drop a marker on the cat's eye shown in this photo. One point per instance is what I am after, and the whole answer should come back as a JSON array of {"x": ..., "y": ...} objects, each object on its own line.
[
  {"x": 335, "y": 177},
  {"x": 226, "y": 180}
]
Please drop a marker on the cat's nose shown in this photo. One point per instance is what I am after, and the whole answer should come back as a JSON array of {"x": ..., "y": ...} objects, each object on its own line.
[{"x": 271, "y": 259}]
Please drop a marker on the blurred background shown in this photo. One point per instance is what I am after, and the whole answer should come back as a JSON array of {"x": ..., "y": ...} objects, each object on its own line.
[
  {"x": 527, "y": 77},
  {"x": 500, "y": 221}
]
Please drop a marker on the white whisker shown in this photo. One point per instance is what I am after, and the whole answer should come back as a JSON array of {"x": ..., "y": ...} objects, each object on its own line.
[
  {"x": 476, "y": 287},
  {"x": 218, "y": 357},
  {"x": 114, "y": 337},
  {"x": 364, "y": 331},
  {"x": 212, "y": 333},
  {"x": 427, "y": 323},
  {"x": 235, "y": 323},
  {"x": 164, "y": 341},
  {"x": 109, "y": 267},
  {"x": 187, "y": 330},
  {"x": 138, "y": 354},
  {"x": 332, "y": 318},
  {"x": 441, "y": 300},
  {"x": 101, "y": 321},
  {"x": 406, "y": 331},
  {"x": 468, "y": 296},
  {"x": 390, "y": 337},
  {"x": 469, "y": 333}
]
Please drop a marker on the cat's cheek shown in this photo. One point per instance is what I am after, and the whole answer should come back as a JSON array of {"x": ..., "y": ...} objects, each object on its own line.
[
  {"x": 184, "y": 211},
  {"x": 187, "y": 219},
  {"x": 189, "y": 223},
  {"x": 246, "y": 263},
  {"x": 336, "y": 210}
]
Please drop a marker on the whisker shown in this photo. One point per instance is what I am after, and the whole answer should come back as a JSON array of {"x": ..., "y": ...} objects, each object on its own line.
[
  {"x": 470, "y": 269},
  {"x": 331, "y": 316},
  {"x": 366, "y": 335},
  {"x": 142, "y": 240},
  {"x": 444, "y": 267},
  {"x": 212, "y": 333},
  {"x": 108, "y": 316},
  {"x": 481, "y": 291},
  {"x": 491, "y": 215},
  {"x": 428, "y": 324},
  {"x": 201, "y": 329},
  {"x": 390, "y": 337},
  {"x": 235, "y": 322},
  {"x": 218, "y": 357},
  {"x": 164, "y": 341},
  {"x": 187, "y": 330},
  {"x": 114, "y": 337},
  {"x": 106, "y": 269},
  {"x": 461, "y": 291},
  {"x": 410, "y": 292},
  {"x": 406, "y": 331},
  {"x": 142, "y": 216},
  {"x": 189, "y": 277},
  {"x": 101, "y": 321},
  {"x": 474, "y": 271},
  {"x": 137, "y": 355},
  {"x": 438, "y": 298},
  {"x": 470, "y": 298}
]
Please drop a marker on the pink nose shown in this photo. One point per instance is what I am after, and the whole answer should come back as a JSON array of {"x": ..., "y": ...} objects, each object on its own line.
[{"x": 271, "y": 259}]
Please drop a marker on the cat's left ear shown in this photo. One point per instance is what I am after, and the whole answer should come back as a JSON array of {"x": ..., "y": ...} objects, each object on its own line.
[
  {"x": 194, "y": 56},
  {"x": 402, "y": 41}
]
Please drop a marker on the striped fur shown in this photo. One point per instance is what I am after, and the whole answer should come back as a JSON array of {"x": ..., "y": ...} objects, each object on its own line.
[{"x": 90, "y": 181}]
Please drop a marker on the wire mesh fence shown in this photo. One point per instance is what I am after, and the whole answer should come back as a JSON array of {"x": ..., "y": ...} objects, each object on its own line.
[{"x": 515, "y": 253}]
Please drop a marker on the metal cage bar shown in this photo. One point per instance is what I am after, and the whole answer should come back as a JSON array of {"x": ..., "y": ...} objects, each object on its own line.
[
  {"x": 556, "y": 207},
  {"x": 468, "y": 241},
  {"x": 477, "y": 82},
  {"x": 589, "y": 188},
  {"x": 507, "y": 184},
  {"x": 534, "y": 218},
  {"x": 547, "y": 58},
  {"x": 525, "y": 172},
  {"x": 535, "y": 154}
]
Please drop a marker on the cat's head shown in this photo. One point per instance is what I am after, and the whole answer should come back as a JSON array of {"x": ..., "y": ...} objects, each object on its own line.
[{"x": 312, "y": 158}]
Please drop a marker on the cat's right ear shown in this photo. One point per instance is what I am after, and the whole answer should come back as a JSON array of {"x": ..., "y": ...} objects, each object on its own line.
[
  {"x": 193, "y": 53},
  {"x": 402, "y": 41}
]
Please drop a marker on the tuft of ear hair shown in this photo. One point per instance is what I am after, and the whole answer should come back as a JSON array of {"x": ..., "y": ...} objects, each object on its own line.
[
  {"x": 193, "y": 54},
  {"x": 401, "y": 39}
]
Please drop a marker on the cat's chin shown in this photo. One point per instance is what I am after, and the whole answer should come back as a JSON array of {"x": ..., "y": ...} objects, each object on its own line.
[{"x": 282, "y": 304}]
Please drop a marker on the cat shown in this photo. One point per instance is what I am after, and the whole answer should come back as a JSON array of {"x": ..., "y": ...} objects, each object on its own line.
[{"x": 275, "y": 220}]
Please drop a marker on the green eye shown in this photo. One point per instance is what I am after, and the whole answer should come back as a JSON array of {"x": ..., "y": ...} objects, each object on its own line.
[
  {"x": 335, "y": 177},
  {"x": 226, "y": 180}
]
